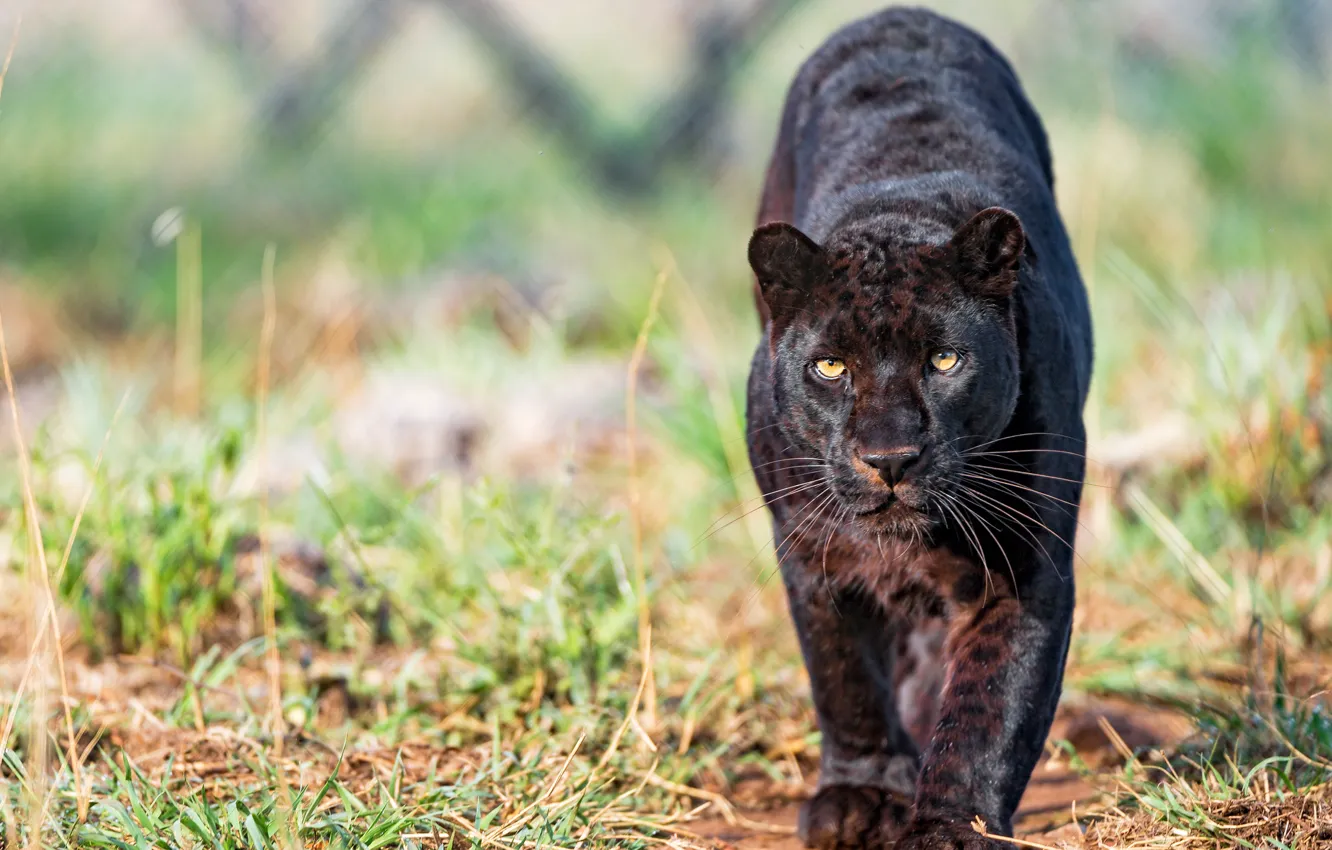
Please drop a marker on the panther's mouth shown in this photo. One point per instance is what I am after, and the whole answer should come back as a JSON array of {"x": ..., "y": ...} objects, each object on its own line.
[
  {"x": 883, "y": 505},
  {"x": 904, "y": 500},
  {"x": 892, "y": 514}
]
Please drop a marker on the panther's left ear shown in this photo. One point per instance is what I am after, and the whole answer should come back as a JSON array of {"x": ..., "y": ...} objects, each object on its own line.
[
  {"x": 987, "y": 250},
  {"x": 788, "y": 265}
]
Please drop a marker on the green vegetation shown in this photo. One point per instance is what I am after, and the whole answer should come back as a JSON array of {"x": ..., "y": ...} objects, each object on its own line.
[{"x": 459, "y": 606}]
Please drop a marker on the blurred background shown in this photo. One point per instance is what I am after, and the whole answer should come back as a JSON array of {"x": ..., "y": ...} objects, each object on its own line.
[
  {"x": 367, "y": 276},
  {"x": 433, "y": 169}
]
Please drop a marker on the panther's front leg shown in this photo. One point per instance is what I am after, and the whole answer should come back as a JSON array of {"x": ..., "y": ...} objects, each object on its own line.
[
  {"x": 1005, "y": 669},
  {"x": 868, "y": 764}
]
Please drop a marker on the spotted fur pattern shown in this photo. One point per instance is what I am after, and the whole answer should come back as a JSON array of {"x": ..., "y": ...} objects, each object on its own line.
[{"x": 924, "y": 519}]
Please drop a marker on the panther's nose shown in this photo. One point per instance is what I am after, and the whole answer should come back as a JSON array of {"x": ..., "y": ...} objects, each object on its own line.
[{"x": 893, "y": 465}]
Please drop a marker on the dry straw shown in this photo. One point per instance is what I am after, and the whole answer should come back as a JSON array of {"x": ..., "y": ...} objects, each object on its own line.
[{"x": 649, "y": 690}]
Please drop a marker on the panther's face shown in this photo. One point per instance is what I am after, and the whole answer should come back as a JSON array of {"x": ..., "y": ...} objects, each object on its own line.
[{"x": 891, "y": 360}]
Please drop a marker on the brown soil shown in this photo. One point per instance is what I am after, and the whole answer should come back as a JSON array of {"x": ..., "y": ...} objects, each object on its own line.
[
  {"x": 126, "y": 692},
  {"x": 1056, "y": 797}
]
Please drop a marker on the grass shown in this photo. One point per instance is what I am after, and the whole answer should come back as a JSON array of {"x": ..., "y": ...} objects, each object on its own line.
[
  {"x": 472, "y": 650},
  {"x": 1251, "y": 777}
]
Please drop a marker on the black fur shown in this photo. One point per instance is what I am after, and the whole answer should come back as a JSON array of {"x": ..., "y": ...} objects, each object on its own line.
[{"x": 908, "y": 219}]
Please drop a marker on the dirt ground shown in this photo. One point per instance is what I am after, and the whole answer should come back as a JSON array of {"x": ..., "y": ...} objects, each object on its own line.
[{"x": 1057, "y": 797}]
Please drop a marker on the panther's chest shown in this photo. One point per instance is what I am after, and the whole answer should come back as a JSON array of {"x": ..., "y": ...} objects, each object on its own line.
[{"x": 914, "y": 579}]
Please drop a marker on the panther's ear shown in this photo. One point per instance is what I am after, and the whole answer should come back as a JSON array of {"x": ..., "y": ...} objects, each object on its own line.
[
  {"x": 987, "y": 250},
  {"x": 788, "y": 265}
]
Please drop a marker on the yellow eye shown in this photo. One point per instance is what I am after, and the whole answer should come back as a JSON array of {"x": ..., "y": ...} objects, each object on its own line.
[
  {"x": 945, "y": 360},
  {"x": 830, "y": 368}
]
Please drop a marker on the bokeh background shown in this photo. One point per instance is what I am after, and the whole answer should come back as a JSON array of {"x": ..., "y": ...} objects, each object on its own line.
[{"x": 358, "y": 284}]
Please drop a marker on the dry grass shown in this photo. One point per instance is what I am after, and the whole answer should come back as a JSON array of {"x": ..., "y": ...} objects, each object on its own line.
[
  {"x": 527, "y": 601},
  {"x": 1265, "y": 818}
]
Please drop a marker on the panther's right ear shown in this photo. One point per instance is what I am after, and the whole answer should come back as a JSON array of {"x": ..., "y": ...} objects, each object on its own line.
[
  {"x": 988, "y": 249},
  {"x": 788, "y": 265}
]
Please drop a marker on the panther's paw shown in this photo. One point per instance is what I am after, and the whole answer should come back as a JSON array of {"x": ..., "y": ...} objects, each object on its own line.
[
  {"x": 841, "y": 817},
  {"x": 946, "y": 835}
]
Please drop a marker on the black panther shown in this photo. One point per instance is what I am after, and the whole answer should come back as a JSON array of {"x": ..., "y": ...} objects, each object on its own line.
[{"x": 915, "y": 419}]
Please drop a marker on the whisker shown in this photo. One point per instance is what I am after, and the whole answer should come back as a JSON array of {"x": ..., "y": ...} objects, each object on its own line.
[
  {"x": 810, "y": 521},
  {"x": 752, "y": 431},
  {"x": 1009, "y": 521},
  {"x": 779, "y": 490},
  {"x": 785, "y": 459},
  {"x": 752, "y": 469},
  {"x": 1037, "y": 508},
  {"x": 802, "y": 529},
  {"x": 974, "y": 476},
  {"x": 763, "y": 496},
  {"x": 811, "y": 461},
  {"x": 1017, "y": 436},
  {"x": 992, "y": 453},
  {"x": 749, "y": 433},
  {"x": 1025, "y": 471},
  {"x": 799, "y": 469},
  {"x": 751, "y": 511},
  {"x": 1010, "y": 464},
  {"x": 980, "y": 550},
  {"x": 1008, "y": 486},
  {"x": 1014, "y": 512},
  {"x": 784, "y": 493},
  {"x": 990, "y": 531},
  {"x": 818, "y": 500},
  {"x": 832, "y": 528},
  {"x": 813, "y": 521}
]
